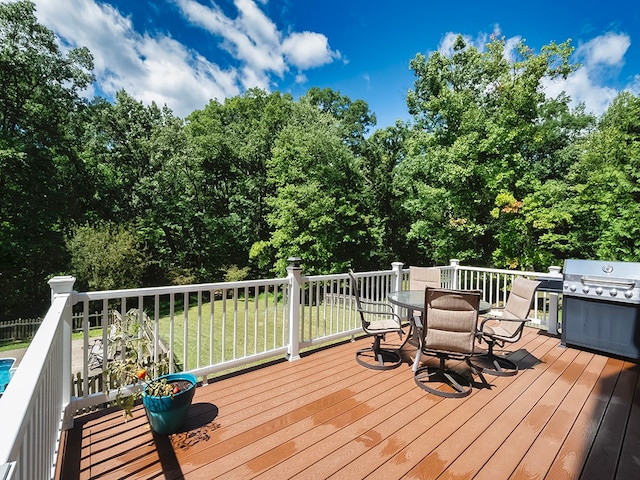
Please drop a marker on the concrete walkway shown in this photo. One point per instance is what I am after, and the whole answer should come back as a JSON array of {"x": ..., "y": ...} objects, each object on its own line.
[{"x": 77, "y": 354}]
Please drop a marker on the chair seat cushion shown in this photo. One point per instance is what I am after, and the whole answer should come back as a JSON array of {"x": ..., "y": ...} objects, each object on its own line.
[
  {"x": 383, "y": 325},
  {"x": 497, "y": 328}
]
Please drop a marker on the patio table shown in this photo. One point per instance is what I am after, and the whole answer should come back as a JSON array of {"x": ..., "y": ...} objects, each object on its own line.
[{"x": 413, "y": 300}]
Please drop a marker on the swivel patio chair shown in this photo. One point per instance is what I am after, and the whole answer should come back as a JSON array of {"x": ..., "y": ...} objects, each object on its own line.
[
  {"x": 448, "y": 332},
  {"x": 378, "y": 319},
  {"x": 423, "y": 277},
  {"x": 505, "y": 328}
]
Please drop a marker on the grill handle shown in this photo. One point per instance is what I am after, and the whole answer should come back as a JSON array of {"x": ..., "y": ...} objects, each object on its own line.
[{"x": 609, "y": 282}]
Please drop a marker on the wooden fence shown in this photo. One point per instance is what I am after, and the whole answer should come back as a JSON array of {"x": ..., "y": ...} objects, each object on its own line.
[
  {"x": 18, "y": 330},
  {"x": 24, "y": 329}
]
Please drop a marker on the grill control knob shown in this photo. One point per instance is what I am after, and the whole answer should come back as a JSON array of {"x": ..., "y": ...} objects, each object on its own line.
[
  {"x": 599, "y": 290},
  {"x": 572, "y": 288},
  {"x": 613, "y": 292},
  {"x": 628, "y": 293},
  {"x": 585, "y": 289}
]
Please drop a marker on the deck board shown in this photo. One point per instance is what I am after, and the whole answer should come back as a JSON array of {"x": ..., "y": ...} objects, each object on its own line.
[{"x": 567, "y": 414}]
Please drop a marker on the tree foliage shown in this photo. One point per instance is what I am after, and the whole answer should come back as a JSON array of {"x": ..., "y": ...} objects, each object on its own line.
[
  {"x": 316, "y": 202},
  {"x": 486, "y": 136},
  {"x": 108, "y": 256},
  {"x": 38, "y": 100},
  {"x": 119, "y": 193}
]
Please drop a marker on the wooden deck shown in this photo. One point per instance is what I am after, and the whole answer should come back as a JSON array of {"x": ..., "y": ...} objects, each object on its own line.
[{"x": 567, "y": 414}]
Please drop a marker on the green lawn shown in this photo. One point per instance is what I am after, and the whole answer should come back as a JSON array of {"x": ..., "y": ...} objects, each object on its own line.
[{"x": 254, "y": 332}]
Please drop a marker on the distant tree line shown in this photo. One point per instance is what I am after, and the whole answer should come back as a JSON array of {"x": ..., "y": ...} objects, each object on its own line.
[{"x": 491, "y": 171}]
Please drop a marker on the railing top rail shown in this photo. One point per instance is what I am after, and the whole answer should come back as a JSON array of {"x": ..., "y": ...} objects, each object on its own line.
[
  {"x": 173, "y": 289},
  {"x": 340, "y": 276},
  {"x": 503, "y": 271},
  {"x": 146, "y": 291}
]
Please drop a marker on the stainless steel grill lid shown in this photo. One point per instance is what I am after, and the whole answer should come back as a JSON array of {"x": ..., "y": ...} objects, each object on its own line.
[
  {"x": 603, "y": 280},
  {"x": 601, "y": 268}
]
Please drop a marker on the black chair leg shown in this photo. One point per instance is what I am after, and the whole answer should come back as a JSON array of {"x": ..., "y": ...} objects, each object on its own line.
[
  {"x": 425, "y": 376},
  {"x": 493, "y": 364},
  {"x": 378, "y": 358}
]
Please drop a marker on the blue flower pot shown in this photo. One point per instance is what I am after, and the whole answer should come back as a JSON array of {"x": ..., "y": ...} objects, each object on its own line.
[{"x": 166, "y": 414}]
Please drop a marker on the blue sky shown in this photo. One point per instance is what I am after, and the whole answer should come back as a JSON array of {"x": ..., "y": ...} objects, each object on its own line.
[{"x": 183, "y": 53}]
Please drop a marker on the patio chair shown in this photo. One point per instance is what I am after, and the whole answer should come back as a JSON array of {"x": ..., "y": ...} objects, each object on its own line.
[
  {"x": 378, "y": 319},
  {"x": 423, "y": 277},
  {"x": 505, "y": 326},
  {"x": 448, "y": 332}
]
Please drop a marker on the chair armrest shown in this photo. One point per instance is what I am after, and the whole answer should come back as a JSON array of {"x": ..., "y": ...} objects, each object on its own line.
[
  {"x": 485, "y": 319},
  {"x": 377, "y": 304}
]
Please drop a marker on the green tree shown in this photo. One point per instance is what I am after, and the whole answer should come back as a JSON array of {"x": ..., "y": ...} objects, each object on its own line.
[
  {"x": 381, "y": 153},
  {"x": 316, "y": 208},
  {"x": 354, "y": 117},
  {"x": 107, "y": 256},
  {"x": 39, "y": 97},
  {"x": 597, "y": 205},
  {"x": 232, "y": 142},
  {"x": 138, "y": 162},
  {"x": 485, "y": 134}
]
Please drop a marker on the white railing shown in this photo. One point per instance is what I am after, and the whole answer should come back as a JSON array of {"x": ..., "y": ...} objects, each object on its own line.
[
  {"x": 205, "y": 328},
  {"x": 34, "y": 403}
]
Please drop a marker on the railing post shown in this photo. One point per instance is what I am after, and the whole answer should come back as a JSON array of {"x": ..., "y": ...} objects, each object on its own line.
[
  {"x": 294, "y": 274},
  {"x": 397, "y": 273},
  {"x": 454, "y": 262},
  {"x": 397, "y": 281},
  {"x": 63, "y": 285},
  {"x": 552, "y": 326}
]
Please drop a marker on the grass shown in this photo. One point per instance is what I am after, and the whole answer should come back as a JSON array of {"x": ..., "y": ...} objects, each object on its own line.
[
  {"x": 15, "y": 346},
  {"x": 255, "y": 331}
]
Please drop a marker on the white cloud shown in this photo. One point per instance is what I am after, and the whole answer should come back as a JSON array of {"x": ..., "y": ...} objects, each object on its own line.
[
  {"x": 159, "y": 68},
  {"x": 634, "y": 85},
  {"x": 307, "y": 50},
  {"x": 510, "y": 48},
  {"x": 601, "y": 58},
  {"x": 608, "y": 49},
  {"x": 581, "y": 88},
  {"x": 250, "y": 38},
  {"x": 254, "y": 39}
]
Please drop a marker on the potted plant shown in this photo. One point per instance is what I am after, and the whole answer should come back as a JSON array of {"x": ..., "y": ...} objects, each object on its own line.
[{"x": 166, "y": 398}]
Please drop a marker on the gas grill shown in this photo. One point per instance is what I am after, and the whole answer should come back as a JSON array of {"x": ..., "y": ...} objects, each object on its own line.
[{"x": 601, "y": 306}]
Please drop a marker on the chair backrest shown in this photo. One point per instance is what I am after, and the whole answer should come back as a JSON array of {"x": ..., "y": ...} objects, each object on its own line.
[
  {"x": 356, "y": 293},
  {"x": 518, "y": 304},
  {"x": 423, "y": 277},
  {"x": 450, "y": 320},
  {"x": 520, "y": 298}
]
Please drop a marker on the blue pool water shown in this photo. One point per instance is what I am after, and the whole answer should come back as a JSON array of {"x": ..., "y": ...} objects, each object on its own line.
[{"x": 5, "y": 372}]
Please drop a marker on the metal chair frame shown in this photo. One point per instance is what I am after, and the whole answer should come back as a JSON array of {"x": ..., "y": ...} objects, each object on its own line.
[
  {"x": 378, "y": 319},
  {"x": 515, "y": 311}
]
